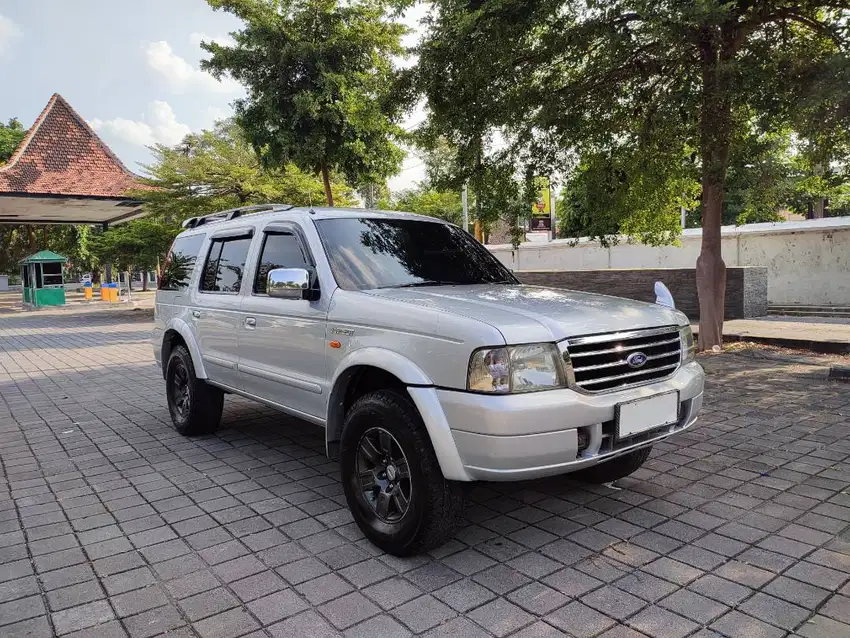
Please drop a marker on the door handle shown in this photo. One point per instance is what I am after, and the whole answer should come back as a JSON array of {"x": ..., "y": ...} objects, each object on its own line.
[
  {"x": 196, "y": 314},
  {"x": 250, "y": 323}
]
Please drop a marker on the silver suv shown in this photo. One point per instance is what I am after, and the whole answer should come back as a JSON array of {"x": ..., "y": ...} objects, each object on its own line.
[{"x": 423, "y": 358}]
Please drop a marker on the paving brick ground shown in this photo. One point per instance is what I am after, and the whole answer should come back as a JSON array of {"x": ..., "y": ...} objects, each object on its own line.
[{"x": 112, "y": 524}]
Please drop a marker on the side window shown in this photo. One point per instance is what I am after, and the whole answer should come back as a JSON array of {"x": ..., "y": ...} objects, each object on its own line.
[
  {"x": 180, "y": 263},
  {"x": 280, "y": 250},
  {"x": 225, "y": 264},
  {"x": 52, "y": 274}
]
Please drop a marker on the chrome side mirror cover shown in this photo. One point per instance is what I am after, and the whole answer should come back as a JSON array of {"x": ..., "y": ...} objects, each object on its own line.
[{"x": 288, "y": 283}]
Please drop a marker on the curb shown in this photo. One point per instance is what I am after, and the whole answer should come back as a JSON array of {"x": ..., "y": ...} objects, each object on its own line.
[{"x": 822, "y": 347}]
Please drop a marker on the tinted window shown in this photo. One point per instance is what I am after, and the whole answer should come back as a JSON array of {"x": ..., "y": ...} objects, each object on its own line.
[
  {"x": 386, "y": 253},
  {"x": 280, "y": 250},
  {"x": 180, "y": 263},
  {"x": 225, "y": 265}
]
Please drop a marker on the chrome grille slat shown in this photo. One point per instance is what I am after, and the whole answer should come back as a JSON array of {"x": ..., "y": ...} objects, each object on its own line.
[
  {"x": 622, "y": 349},
  {"x": 604, "y": 366},
  {"x": 629, "y": 374},
  {"x": 622, "y": 362}
]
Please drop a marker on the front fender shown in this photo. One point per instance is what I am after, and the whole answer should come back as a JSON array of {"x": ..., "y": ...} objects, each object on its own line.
[
  {"x": 393, "y": 362},
  {"x": 181, "y": 327}
]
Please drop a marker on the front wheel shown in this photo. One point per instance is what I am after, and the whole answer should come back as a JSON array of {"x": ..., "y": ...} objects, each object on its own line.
[
  {"x": 392, "y": 479},
  {"x": 616, "y": 468}
]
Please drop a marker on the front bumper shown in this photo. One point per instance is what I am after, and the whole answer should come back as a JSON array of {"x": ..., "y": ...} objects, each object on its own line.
[{"x": 524, "y": 436}]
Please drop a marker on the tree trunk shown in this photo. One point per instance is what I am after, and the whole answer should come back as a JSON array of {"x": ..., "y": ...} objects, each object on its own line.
[
  {"x": 711, "y": 271},
  {"x": 326, "y": 180},
  {"x": 817, "y": 211},
  {"x": 31, "y": 239},
  {"x": 144, "y": 281},
  {"x": 715, "y": 136}
]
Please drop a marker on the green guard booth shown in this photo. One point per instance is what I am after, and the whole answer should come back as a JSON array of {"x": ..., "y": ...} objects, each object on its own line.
[{"x": 42, "y": 282}]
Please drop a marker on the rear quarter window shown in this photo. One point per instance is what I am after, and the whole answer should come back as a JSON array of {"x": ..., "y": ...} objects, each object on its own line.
[{"x": 180, "y": 263}]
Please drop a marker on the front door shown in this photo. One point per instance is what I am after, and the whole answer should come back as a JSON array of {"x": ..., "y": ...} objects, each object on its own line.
[
  {"x": 282, "y": 341},
  {"x": 215, "y": 312}
]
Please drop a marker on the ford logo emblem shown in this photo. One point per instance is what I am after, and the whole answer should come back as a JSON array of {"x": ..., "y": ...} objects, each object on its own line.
[{"x": 636, "y": 359}]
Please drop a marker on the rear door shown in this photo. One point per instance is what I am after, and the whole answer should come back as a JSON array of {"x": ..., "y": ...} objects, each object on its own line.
[
  {"x": 215, "y": 309},
  {"x": 282, "y": 341}
]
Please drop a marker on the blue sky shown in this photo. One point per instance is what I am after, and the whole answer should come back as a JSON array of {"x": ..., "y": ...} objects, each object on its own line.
[{"x": 130, "y": 68}]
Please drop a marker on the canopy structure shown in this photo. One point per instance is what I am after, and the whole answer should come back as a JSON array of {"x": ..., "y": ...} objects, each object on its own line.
[{"x": 63, "y": 173}]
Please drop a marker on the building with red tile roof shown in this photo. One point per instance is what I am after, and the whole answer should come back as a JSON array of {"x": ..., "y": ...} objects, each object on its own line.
[{"x": 62, "y": 172}]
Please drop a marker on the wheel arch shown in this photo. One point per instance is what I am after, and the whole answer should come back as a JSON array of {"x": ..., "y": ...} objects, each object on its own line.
[
  {"x": 397, "y": 372},
  {"x": 178, "y": 333},
  {"x": 362, "y": 371}
]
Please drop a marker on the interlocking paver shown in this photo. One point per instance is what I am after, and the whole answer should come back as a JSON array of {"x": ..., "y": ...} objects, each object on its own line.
[{"x": 731, "y": 529}]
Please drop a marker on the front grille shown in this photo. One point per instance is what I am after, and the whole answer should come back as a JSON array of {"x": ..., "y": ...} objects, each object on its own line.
[{"x": 599, "y": 362}]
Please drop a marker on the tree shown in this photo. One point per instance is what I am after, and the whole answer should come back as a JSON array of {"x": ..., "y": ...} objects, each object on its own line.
[
  {"x": 632, "y": 192},
  {"x": 136, "y": 245},
  {"x": 11, "y": 135},
  {"x": 425, "y": 200},
  {"x": 216, "y": 170},
  {"x": 320, "y": 81},
  {"x": 664, "y": 76}
]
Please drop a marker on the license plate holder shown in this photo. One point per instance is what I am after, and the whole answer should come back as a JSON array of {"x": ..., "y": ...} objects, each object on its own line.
[{"x": 646, "y": 413}]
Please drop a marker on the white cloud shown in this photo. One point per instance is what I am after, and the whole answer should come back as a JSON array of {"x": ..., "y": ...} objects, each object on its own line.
[
  {"x": 196, "y": 37},
  {"x": 180, "y": 74},
  {"x": 213, "y": 114},
  {"x": 159, "y": 125},
  {"x": 9, "y": 32}
]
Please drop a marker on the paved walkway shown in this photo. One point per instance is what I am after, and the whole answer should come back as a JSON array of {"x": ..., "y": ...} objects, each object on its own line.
[{"x": 111, "y": 524}]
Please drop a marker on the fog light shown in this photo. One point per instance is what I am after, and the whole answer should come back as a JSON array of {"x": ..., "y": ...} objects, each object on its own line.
[{"x": 583, "y": 440}]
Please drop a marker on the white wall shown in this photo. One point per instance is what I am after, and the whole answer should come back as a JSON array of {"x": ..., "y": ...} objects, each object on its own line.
[{"x": 807, "y": 262}]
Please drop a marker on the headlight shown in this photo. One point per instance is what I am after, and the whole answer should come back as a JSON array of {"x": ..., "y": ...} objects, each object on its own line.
[
  {"x": 689, "y": 348},
  {"x": 525, "y": 368}
]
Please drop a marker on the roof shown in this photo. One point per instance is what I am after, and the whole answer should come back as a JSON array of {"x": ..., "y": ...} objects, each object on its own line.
[
  {"x": 314, "y": 213},
  {"x": 62, "y": 155},
  {"x": 43, "y": 255}
]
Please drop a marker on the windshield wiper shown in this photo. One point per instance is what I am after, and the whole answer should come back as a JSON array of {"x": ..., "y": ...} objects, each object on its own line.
[{"x": 427, "y": 282}]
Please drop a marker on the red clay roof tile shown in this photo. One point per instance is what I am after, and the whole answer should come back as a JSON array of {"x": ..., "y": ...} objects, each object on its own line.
[{"x": 62, "y": 155}]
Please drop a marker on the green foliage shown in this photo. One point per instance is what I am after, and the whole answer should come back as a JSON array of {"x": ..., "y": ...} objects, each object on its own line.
[
  {"x": 425, "y": 200},
  {"x": 218, "y": 169},
  {"x": 634, "y": 86},
  {"x": 136, "y": 245},
  {"x": 320, "y": 84},
  {"x": 634, "y": 192},
  {"x": 11, "y": 135}
]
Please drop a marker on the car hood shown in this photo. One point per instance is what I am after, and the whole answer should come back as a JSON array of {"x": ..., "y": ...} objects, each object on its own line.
[{"x": 525, "y": 314}]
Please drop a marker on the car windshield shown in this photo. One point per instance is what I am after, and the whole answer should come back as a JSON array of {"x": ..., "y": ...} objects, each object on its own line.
[{"x": 368, "y": 253}]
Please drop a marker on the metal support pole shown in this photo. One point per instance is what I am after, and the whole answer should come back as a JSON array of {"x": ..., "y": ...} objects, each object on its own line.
[
  {"x": 107, "y": 267},
  {"x": 465, "y": 199},
  {"x": 551, "y": 210}
]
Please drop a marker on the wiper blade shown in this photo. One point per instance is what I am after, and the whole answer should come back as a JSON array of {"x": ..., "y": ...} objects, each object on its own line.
[{"x": 427, "y": 282}]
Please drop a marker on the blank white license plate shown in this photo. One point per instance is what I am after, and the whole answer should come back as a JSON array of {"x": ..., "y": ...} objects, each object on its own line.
[{"x": 645, "y": 414}]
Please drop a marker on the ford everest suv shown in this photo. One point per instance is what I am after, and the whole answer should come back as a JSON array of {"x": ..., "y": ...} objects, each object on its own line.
[{"x": 423, "y": 358}]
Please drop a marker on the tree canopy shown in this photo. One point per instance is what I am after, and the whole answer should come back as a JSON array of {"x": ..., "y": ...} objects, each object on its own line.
[
  {"x": 639, "y": 79},
  {"x": 320, "y": 84},
  {"x": 11, "y": 134},
  {"x": 218, "y": 169}
]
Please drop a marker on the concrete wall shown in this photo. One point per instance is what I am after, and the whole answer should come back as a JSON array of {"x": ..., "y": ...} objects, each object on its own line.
[
  {"x": 746, "y": 288},
  {"x": 807, "y": 262}
]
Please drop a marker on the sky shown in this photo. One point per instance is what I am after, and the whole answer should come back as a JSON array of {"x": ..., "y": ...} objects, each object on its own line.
[{"x": 130, "y": 68}]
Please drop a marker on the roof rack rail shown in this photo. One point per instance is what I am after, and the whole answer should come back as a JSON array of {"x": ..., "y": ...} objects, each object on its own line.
[{"x": 233, "y": 213}]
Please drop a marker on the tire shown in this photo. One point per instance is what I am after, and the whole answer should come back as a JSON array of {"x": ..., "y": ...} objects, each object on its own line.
[
  {"x": 197, "y": 409},
  {"x": 381, "y": 425},
  {"x": 614, "y": 469}
]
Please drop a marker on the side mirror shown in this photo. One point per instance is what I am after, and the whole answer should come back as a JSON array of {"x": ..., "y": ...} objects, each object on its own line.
[{"x": 288, "y": 283}]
